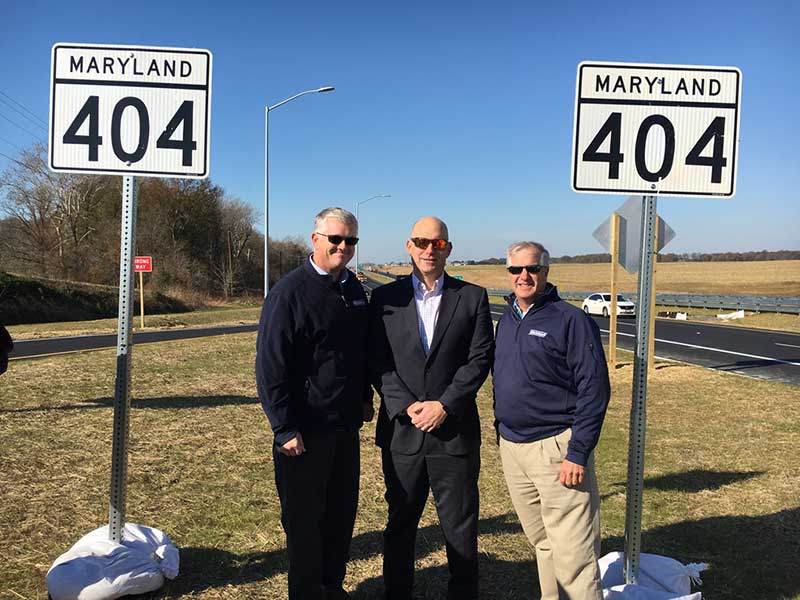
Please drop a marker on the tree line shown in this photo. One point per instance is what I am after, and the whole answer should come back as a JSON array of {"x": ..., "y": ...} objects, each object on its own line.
[{"x": 67, "y": 226}]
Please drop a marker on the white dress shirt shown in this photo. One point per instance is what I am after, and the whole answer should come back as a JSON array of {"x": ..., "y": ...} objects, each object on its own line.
[{"x": 427, "y": 302}]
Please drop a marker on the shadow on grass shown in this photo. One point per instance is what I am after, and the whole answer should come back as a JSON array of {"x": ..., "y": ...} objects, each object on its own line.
[
  {"x": 753, "y": 364},
  {"x": 163, "y": 402},
  {"x": 499, "y": 579},
  {"x": 750, "y": 557},
  {"x": 208, "y": 568},
  {"x": 693, "y": 481}
]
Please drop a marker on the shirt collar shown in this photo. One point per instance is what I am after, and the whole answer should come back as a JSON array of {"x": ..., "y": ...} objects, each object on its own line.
[
  {"x": 342, "y": 279},
  {"x": 518, "y": 309},
  {"x": 419, "y": 285},
  {"x": 549, "y": 292}
]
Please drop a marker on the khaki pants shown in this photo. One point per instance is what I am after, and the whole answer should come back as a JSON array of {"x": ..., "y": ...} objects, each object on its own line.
[{"x": 561, "y": 523}]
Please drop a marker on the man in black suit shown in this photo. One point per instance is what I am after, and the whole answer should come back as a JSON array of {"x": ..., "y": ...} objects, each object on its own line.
[{"x": 431, "y": 349}]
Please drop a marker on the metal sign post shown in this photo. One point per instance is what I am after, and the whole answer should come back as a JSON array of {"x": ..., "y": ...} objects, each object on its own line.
[
  {"x": 651, "y": 340},
  {"x": 612, "y": 329},
  {"x": 141, "y": 296},
  {"x": 134, "y": 111},
  {"x": 633, "y": 510},
  {"x": 122, "y": 395},
  {"x": 644, "y": 129},
  {"x": 142, "y": 264}
]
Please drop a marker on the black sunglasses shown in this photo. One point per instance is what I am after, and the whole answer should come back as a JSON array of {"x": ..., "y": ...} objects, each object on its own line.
[
  {"x": 423, "y": 243},
  {"x": 529, "y": 268},
  {"x": 337, "y": 239}
]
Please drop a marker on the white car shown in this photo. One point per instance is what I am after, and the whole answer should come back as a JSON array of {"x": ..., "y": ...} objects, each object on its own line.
[{"x": 600, "y": 304}]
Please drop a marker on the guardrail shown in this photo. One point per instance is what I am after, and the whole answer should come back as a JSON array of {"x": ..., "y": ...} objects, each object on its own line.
[{"x": 770, "y": 304}]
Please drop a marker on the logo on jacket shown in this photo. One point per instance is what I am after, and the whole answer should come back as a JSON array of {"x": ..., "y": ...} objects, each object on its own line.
[
  {"x": 359, "y": 302},
  {"x": 537, "y": 333}
]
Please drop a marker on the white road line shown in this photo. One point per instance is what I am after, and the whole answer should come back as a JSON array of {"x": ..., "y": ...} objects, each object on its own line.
[
  {"x": 769, "y": 358},
  {"x": 787, "y": 345}
]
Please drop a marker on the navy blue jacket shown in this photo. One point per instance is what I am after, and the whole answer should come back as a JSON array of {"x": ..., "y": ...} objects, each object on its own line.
[
  {"x": 311, "y": 360},
  {"x": 549, "y": 375}
]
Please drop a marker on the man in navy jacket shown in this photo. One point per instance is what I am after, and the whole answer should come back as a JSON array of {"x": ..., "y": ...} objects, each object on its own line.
[
  {"x": 312, "y": 383},
  {"x": 551, "y": 390}
]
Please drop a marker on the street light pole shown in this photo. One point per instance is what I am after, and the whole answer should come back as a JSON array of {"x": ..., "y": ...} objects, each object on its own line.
[
  {"x": 358, "y": 204},
  {"x": 266, "y": 175}
]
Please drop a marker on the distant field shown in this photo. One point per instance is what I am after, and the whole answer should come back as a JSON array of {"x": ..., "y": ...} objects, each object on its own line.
[{"x": 764, "y": 278}]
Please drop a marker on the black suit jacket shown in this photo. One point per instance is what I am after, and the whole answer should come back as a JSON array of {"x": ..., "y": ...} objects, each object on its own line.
[{"x": 459, "y": 360}]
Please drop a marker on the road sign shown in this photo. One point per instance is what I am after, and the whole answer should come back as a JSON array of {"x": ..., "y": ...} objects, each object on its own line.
[
  {"x": 630, "y": 234},
  {"x": 142, "y": 264},
  {"x": 656, "y": 129},
  {"x": 130, "y": 110}
]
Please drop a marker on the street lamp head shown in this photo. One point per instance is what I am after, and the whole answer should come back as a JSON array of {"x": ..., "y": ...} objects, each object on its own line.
[{"x": 326, "y": 89}]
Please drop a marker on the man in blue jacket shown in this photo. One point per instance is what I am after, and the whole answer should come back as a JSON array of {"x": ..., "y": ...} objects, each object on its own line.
[
  {"x": 312, "y": 382},
  {"x": 551, "y": 390}
]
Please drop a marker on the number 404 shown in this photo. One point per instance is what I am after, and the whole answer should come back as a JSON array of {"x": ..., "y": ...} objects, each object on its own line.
[
  {"x": 91, "y": 112},
  {"x": 612, "y": 128}
]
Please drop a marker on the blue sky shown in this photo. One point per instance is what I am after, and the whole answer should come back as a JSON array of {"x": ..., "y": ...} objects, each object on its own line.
[{"x": 458, "y": 109}]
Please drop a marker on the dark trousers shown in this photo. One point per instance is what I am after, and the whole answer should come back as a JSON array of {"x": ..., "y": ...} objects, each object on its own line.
[
  {"x": 454, "y": 482},
  {"x": 319, "y": 497}
]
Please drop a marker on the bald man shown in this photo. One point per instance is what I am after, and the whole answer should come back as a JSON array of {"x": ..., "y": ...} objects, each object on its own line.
[{"x": 431, "y": 349}]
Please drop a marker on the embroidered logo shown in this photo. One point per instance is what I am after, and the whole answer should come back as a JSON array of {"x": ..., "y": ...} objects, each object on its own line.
[
  {"x": 359, "y": 302},
  {"x": 537, "y": 333}
]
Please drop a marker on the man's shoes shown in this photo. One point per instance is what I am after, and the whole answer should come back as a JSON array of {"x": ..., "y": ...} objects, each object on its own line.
[{"x": 334, "y": 594}]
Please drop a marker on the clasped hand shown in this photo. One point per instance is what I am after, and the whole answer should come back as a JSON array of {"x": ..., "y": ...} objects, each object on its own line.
[{"x": 427, "y": 416}]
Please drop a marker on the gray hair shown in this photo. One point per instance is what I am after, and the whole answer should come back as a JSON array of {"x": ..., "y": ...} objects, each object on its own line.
[
  {"x": 334, "y": 212},
  {"x": 544, "y": 255}
]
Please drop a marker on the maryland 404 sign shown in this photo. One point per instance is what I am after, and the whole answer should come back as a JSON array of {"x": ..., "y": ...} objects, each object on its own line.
[
  {"x": 130, "y": 110},
  {"x": 656, "y": 129}
]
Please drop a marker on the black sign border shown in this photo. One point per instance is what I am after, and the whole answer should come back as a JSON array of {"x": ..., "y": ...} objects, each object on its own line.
[{"x": 206, "y": 87}]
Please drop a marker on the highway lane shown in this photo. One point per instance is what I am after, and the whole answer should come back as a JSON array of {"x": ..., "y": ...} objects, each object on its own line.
[
  {"x": 759, "y": 353},
  {"x": 756, "y": 353},
  {"x": 80, "y": 343}
]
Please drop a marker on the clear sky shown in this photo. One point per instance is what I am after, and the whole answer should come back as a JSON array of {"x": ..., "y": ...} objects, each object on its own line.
[{"x": 463, "y": 110}]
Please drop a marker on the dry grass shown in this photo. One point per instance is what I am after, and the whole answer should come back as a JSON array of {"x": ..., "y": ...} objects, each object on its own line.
[
  {"x": 764, "y": 278},
  {"x": 721, "y": 477}
]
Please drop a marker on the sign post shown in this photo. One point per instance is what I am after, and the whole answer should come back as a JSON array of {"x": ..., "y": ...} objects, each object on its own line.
[
  {"x": 650, "y": 130},
  {"x": 134, "y": 111},
  {"x": 142, "y": 264},
  {"x": 612, "y": 330}
]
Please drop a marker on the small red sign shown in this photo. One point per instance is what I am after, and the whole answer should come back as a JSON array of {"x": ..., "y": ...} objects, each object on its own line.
[{"x": 142, "y": 264}]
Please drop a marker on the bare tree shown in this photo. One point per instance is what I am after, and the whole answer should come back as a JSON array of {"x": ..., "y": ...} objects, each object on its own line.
[
  {"x": 237, "y": 220},
  {"x": 52, "y": 213}
]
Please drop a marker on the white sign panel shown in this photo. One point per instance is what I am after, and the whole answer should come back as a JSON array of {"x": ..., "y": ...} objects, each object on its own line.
[
  {"x": 129, "y": 110},
  {"x": 656, "y": 129}
]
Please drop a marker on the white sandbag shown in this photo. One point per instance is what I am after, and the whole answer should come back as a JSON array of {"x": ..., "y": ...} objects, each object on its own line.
[
  {"x": 96, "y": 568},
  {"x": 658, "y": 573},
  {"x": 639, "y": 592}
]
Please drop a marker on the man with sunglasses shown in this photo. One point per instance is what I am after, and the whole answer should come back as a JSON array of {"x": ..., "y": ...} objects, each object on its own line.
[
  {"x": 551, "y": 390},
  {"x": 312, "y": 382},
  {"x": 431, "y": 347}
]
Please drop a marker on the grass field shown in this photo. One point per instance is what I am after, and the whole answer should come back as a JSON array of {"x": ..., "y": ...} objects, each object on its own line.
[
  {"x": 721, "y": 477},
  {"x": 757, "y": 278}
]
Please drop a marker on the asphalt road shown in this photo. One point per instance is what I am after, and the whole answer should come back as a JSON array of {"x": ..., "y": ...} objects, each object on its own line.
[{"x": 755, "y": 353}]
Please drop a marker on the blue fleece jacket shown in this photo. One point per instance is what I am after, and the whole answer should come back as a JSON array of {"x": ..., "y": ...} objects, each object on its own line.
[{"x": 550, "y": 374}]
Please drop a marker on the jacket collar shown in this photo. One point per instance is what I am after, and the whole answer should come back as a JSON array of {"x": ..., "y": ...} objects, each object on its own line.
[{"x": 549, "y": 296}]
